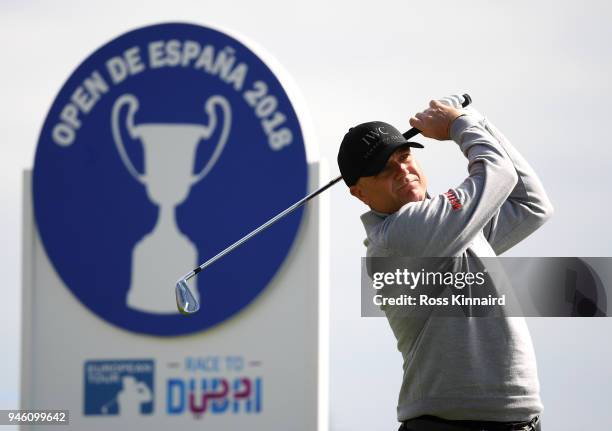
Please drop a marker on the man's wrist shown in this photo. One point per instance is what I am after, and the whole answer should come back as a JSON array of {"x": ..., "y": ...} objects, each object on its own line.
[{"x": 459, "y": 124}]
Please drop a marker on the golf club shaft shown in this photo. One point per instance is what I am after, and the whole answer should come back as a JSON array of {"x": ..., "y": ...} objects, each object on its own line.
[
  {"x": 409, "y": 134},
  {"x": 262, "y": 227}
]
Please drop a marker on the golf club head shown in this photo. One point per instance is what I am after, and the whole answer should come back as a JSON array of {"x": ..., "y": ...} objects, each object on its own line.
[{"x": 185, "y": 301}]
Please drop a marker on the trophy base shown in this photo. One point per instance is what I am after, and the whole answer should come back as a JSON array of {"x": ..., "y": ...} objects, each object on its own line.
[{"x": 156, "y": 261}]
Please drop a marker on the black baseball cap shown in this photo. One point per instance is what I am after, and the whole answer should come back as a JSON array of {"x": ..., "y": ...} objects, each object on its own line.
[{"x": 365, "y": 149}]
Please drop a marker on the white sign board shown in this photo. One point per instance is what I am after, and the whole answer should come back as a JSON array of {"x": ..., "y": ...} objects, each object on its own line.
[
  {"x": 279, "y": 344},
  {"x": 163, "y": 147}
]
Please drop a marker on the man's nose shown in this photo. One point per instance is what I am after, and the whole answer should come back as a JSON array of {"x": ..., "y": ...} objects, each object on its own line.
[{"x": 399, "y": 168}]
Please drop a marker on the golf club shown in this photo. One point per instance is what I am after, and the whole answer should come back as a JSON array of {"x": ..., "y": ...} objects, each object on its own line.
[{"x": 186, "y": 302}]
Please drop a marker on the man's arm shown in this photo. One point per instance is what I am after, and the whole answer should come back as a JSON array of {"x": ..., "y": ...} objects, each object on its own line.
[
  {"x": 446, "y": 224},
  {"x": 527, "y": 207}
]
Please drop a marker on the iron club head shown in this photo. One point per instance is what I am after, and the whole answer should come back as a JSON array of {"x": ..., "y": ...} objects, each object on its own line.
[{"x": 185, "y": 301}]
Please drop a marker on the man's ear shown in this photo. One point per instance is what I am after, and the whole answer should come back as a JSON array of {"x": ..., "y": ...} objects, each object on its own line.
[{"x": 357, "y": 191}]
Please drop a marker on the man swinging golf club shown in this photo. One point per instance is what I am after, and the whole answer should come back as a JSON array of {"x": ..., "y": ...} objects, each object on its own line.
[{"x": 466, "y": 373}]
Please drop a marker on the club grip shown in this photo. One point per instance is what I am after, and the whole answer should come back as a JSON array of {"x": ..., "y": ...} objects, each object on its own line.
[{"x": 414, "y": 131}]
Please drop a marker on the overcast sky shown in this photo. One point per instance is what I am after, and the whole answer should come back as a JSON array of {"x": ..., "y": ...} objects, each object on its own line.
[{"x": 539, "y": 70}]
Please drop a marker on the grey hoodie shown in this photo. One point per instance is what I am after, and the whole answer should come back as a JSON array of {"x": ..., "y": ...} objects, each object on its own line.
[{"x": 467, "y": 368}]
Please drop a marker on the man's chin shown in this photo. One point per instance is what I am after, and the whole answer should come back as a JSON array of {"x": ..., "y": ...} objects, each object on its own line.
[{"x": 415, "y": 196}]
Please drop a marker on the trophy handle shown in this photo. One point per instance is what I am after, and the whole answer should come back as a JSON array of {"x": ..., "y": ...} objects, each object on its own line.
[
  {"x": 208, "y": 131},
  {"x": 132, "y": 103}
]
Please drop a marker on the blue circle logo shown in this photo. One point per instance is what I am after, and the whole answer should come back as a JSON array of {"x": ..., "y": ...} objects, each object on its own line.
[{"x": 165, "y": 146}]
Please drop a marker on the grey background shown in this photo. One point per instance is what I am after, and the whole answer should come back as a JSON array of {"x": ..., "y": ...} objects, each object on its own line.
[{"x": 539, "y": 70}]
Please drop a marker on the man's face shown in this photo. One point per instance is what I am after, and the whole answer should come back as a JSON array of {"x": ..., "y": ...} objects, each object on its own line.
[{"x": 400, "y": 182}]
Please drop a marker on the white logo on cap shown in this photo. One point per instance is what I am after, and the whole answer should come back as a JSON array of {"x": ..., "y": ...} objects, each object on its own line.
[{"x": 373, "y": 134}]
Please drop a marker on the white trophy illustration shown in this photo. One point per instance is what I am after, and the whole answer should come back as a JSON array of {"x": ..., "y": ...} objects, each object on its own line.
[{"x": 169, "y": 157}]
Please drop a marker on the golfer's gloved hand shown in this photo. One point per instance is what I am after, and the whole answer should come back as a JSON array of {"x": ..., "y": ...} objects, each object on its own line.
[
  {"x": 456, "y": 100},
  {"x": 435, "y": 122}
]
